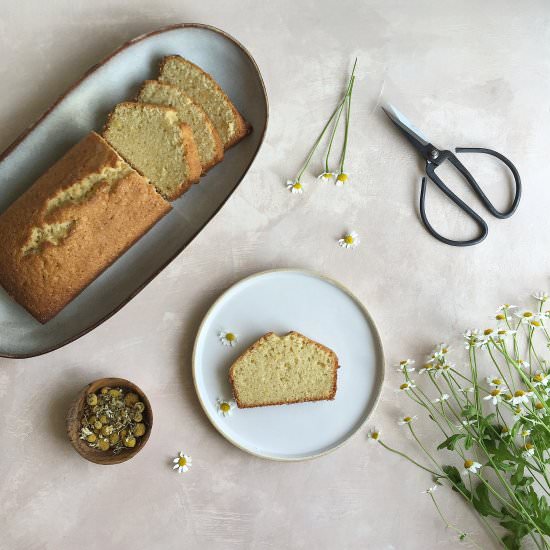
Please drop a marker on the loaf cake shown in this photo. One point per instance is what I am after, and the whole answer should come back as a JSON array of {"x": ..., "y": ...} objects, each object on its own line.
[
  {"x": 278, "y": 370},
  {"x": 71, "y": 224},
  {"x": 209, "y": 143},
  {"x": 206, "y": 92},
  {"x": 153, "y": 141}
]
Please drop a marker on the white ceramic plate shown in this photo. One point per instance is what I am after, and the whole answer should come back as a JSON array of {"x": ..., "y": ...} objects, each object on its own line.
[
  {"x": 83, "y": 108},
  {"x": 322, "y": 309}
]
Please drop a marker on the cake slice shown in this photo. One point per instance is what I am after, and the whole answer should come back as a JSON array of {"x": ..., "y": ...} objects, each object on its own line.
[
  {"x": 205, "y": 91},
  {"x": 152, "y": 140},
  {"x": 209, "y": 143},
  {"x": 278, "y": 370}
]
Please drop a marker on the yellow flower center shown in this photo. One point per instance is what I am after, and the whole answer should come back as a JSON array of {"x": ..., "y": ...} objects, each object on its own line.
[
  {"x": 535, "y": 323},
  {"x": 504, "y": 429},
  {"x": 496, "y": 381},
  {"x": 375, "y": 435},
  {"x": 538, "y": 377},
  {"x": 444, "y": 350},
  {"x": 519, "y": 393},
  {"x": 407, "y": 419},
  {"x": 517, "y": 410},
  {"x": 297, "y": 185},
  {"x": 427, "y": 366},
  {"x": 527, "y": 314},
  {"x": 508, "y": 396},
  {"x": 348, "y": 239},
  {"x": 539, "y": 406},
  {"x": 529, "y": 446},
  {"x": 495, "y": 392},
  {"x": 502, "y": 331},
  {"x": 403, "y": 363},
  {"x": 342, "y": 177},
  {"x": 404, "y": 386},
  {"x": 182, "y": 461},
  {"x": 230, "y": 337},
  {"x": 468, "y": 463},
  {"x": 488, "y": 331},
  {"x": 500, "y": 317},
  {"x": 225, "y": 407}
]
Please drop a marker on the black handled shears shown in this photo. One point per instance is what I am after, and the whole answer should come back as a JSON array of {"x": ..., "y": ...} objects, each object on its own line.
[{"x": 434, "y": 158}]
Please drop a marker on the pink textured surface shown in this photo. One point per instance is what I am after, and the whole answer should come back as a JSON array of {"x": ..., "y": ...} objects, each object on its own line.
[{"x": 475, "y": 74}]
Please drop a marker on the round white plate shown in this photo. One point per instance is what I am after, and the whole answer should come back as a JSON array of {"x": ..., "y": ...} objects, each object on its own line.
[{"x": 319, "y": 308}]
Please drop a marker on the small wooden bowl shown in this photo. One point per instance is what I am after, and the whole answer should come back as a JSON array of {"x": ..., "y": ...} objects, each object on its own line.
[{"x": 75, "y": 414}]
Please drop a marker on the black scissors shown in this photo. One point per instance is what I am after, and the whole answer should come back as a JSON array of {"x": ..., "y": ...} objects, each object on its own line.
[{"x": 435, "y": 157}]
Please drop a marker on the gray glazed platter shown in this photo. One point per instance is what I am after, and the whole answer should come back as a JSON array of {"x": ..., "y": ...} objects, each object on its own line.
[{"x": 83, "y": 108}]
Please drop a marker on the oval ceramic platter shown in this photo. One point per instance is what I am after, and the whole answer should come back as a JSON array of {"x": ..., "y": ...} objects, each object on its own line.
[
  {"x": 323, "y": 310},
  {"x": 84, "y": 108}
]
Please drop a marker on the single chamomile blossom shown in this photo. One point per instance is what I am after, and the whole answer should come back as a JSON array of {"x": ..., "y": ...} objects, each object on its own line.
[
  {"x": 349, "y": 240},
  {"x": 526, "y": 315},
  {"x": 540, "y": 409},
  {"x": 227, "y": 338},
  {"x": 182, "y": 462},
  {"x": 374, "y": 434},
  {"x": 427, "y": 367},
  {"x": 503, "y": 333},
  {"x": 407, "y": 420},
  {"x": 501, "y": 316},
  {"x": 541, "y": 296},
  {"x": 225, "y": 407},
  {"x": 495, "y": 381},
  {"x": 430, "y": 490},
  {"x": 518, "y": 413},
  {"x": 523, "y": 364},
  {"x": 541, "y": 379},
  {"x": 506, "y": 307},
  {"x": 471, "y": 466},
  {"x": 495, "y": 396},
  {"x": 535, "y": 323},
  {"x": 342, "y": 178},
  {"x": 525, "y": 433},
  {"x": 443, "y": 397},
  {"x": 465, "y": 424},
  {"x": 405, "y": 365},
  {"x": 521, "y": 396},
  {"x": 294, "y": 186},
  {"x": 440, "y": 369},
  {"x": 528, "y": 450},
  {"x": 326, "y": 177},
  {"x": 468, "y": 389},
  {"x": 406, "y": 386},
  {"x": 472, "y": 338}
]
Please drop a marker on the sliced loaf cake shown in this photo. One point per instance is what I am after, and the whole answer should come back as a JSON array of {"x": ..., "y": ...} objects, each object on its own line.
[
  {"x": 153, "y": 140},
  {"x": 209, "y": 143},
  {"x": 205, "y": 91},
  {"x": 279, "y": 370}
]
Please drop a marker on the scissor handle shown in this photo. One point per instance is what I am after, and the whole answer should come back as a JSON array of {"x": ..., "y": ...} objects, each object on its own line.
[
  {"x": 458, "y": 201},
  {"x": 471, "y": 180}
]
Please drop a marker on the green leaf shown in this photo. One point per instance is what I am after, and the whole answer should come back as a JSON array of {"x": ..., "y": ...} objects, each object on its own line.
[
  {"x": 468, "y": 442},
  {"x": 451, "y": 442},
  {"x": 453, "y": 475},
  {"x": 511, "y": 542},
  {"x": 482, "y": 503}
]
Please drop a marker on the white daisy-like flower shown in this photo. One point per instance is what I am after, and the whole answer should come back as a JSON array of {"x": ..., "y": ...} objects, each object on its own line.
[
  {"x": 521, "y": 396},
  {"x": 495, "y": 396},
  {"x": 471, "y": 466},
  {"x": 349, "y": 240},
  {"x": 495, "y": 381},
  {"x": 374, "y": 434},
  {"x": 523, "y": 364},
  {"x": 541, "y": 296},
  {"x": 225, "y": 407},
  {"x": 442, "y": 369},
  {"x": 518, "y": 413},
  {"x": 465, "y": 424},
  {"x": 473, "y": 338},
  {"x": 443, "y": 397},
  {"x": 342, "y": 178},
  {"x": 294, "y": 186},
  {"x": 501, "y": 316},
  {"x": 407, "y": 420},
  {"x": 326, "y": 177},
  {"x": 503, "y": 333},
  {"x": 468, "y": 389},
  {"x": 430, "y": 490},
  {"x": 541, "y": 379},
  {"x": 227, "y": 338},
  {"x": 182, "y": 462},
  {"x": 506, "y": 307},
  {"x": 427, "y": 367},
  {"x": 535, "y": 323},
  {"x": 439, "y": 352},
  {"x": 540, "y": 409},
  {"x": 528, "y": 450},
  {"x": 406, "y": 386},
  {"x": 526, "y": 315},
  {"x": 405, "y": 365},
  {"x": 525, "y": 433}
]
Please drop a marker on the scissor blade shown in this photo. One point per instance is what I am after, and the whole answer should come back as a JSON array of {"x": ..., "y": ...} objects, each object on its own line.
[{"x": 414, "y": 135}]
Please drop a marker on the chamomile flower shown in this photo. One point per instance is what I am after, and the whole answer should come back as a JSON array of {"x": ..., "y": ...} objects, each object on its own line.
[
  {"x": 430, "y": 490},
  {"x": 521, "y": 396},
  {"x": 535, "y": 323},
  {"x": 541, "y": 296},
  {"x": 525, "y": 433},
  {"x": 495, "y": 395},
  {"x": 471, "y": 466},
  {"x": 501, "y": 316},
  {"x": 225, "y": 407},
  {"x": 518, "y": 413},
  {"x": 439, "y": 352},
  {"x": 540, "y": 409},
  {"x": 528, "y": 450},
  {"x": 326, "y": 177},
  {"x": 407, "y": 420},
  {"x": 506, "y": 307},
  {"x": 427, "y": 367},
  {"x": 466, "y": 423},
  {"x": 541, "y": 379},
  {"x": 182, "y": 462},
  {"x": 442, "y": 369},
  {"x": 374, "y": 434},
  {"x": 443, "y": 397},
  {"x": 526, "y": 315},
  {"x": 227, "y": 338},
  {"x": 349, "y": 240},
  {"x": 342, "y": 178},
  {"x": 523, "y": 364},
  {"x": 405, "y": 365},
  {"x": 406, "y": 386},
  {"x": 472, "y": 338},
  {"x": 494, "y": 381},
  {"x": 503, "y": 333},
  {"x": 468, "y": 389},
  {"x": 294, "y": 186}
]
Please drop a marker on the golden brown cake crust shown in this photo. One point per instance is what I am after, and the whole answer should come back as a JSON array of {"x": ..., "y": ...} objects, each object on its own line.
[
  {"x": 243, "y": 127},
  {"x": 257, "y": 344},
  {"x": 104, "y": 225}
]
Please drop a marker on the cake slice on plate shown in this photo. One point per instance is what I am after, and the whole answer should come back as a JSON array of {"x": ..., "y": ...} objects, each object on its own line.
[{"x": 279, "y": 370}]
